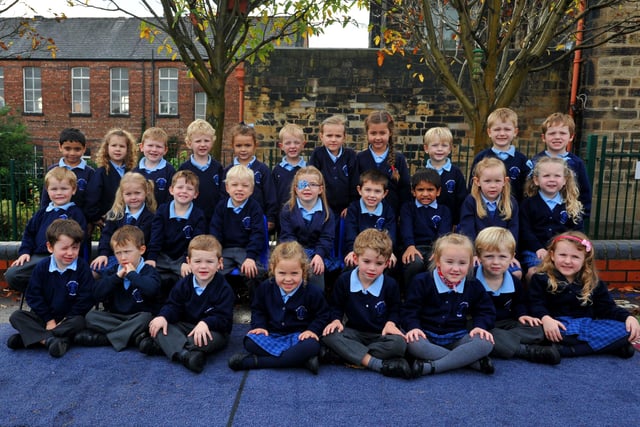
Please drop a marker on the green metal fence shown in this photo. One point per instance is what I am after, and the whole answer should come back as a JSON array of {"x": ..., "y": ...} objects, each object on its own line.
[
  {"x": 611, "y": 167},
  {"x": 20, "y": 185}
]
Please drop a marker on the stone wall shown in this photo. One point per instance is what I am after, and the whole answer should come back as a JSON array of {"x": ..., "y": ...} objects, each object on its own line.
[{"x": 305, "y": 86}]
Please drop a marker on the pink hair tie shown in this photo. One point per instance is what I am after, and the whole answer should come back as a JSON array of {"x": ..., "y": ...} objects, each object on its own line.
[{"x": 584, "y": 242}]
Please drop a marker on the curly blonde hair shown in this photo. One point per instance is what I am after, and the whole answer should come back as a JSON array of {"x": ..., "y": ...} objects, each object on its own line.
[
  {"x": 130, "y": 160},
  {"x": 570, "y": 192},
  {"x": 504, "y": 205},
  {"x": 587, "y": 276}
]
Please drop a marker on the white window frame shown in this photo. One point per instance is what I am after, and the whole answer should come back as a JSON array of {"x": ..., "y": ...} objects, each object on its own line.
[
  {"x": 32, "y": 90},
  {"x": 119, "y": 91},
  {"x": 168, "y": 91},
  {"x": 200, "y": 107},
  {"x": 80, "y": 91},
  {"x": 2, "y": 101}
]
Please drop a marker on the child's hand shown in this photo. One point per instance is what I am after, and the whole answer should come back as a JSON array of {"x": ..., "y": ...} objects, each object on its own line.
[
  {"x": 350, "y": 260},
  {"x": 259, "y": 331},
  {"x": 392, "y": 260},
  {"x": 414, "y": 335},
  {"x": 390, "y": 328},
  {"x": 99, "y": 262},
  {"x": 21, "y": 260},
  {"x": 156, "y": 325},
  {"x": 529, "y": 320},
  {"x": 343, "y": 214},
  {"x": 541, "y": 253},
  {"x": 552, "y": 328},
  {"x": 51, "y": 324},
  {"x": 308, "y": 334},
  {"x": 633, "y": 327},
  {"x": 335, "y": 326},
  {"x": 185, "y": 269},
  {"x": 317, "y": 265},
  {"x": 410, "y": 254},
  {"x": 151, "y": 263},
  {"x": 249, "y": 268},
  {"x": 485, "y": 335},
  {"x": 201, "y": 334}
]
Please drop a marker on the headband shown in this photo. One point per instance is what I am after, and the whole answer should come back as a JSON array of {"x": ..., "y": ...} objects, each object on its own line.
[{"x": 584, "y": 242}]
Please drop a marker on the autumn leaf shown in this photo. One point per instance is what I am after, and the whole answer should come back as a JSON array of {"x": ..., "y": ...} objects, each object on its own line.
[{"x": 380, "y": 58}]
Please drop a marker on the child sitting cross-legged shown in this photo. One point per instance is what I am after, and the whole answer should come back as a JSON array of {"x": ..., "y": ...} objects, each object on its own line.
[
  {"x": 370, "y": 337},
  {"x": 59, "y": 293},
  {"x": 198, "y": 315}
]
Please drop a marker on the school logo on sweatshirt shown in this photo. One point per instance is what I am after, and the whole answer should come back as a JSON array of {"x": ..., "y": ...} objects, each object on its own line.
[
  {"x": 564, "y": 217},
  {"x": 81, "y": 184},
  {"x": 380, "y": 308},
  {"x": 379, "y": 224},
  {"x": 161, "y": 184},
  {"x": 258, "y": 177},
  {"x": 514, "y": 173},
  {"x": 301, "y": 312},
  {"x": 246, "y": 222},
  {"x": 436, "y": 220},
  {"x": 188, "y": 231},
  {"x": 450, "y": 186},
  {"x": 137, "y": 295},
  {"x": 72, "y": 288}
]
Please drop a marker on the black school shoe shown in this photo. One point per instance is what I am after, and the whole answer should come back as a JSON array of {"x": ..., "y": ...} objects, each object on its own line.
[
  {"x": 398, "y": 367},
  {"x": 149, "y": 346},
  {"x": 57, "y": 346},
  {"x": 625, "y": 352},
  {"x": 90, "y": 338},
  {"x": 15, "y": 342},
  {"x": 193, "y": 360},
  {"x": 313, "y": 365}
]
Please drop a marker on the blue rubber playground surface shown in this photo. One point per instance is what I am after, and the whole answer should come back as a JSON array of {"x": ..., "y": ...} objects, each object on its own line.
[{"x": 99, "y": 387}]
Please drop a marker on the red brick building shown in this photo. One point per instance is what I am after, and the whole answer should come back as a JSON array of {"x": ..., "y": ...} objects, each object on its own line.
[{"x": 103, "y": 76}]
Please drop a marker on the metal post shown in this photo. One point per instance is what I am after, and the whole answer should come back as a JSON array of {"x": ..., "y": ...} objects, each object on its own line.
[
  {"x": 592, "y": 144},
  {"x": 14, "y": 202}
]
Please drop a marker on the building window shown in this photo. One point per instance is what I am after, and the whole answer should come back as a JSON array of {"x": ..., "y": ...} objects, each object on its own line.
[
  {"x": 168, "y": 91},
  {"x": 2, "y": 103},
  {"x": 80, "y": 95},
  {"x": 119, "y": 91},
  {"x": 201, "y": 106},
  {"x": 32, "y": 90}
]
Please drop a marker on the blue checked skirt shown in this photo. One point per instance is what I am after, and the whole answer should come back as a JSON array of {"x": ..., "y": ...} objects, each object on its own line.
[
  {"x": 598, "y": 333},
  {"x": 445, "y": 339},
  {"x": 275, "y": 344}
]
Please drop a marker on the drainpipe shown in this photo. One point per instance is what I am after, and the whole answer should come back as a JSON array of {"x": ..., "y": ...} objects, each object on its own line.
[
  {"x": 577, "y": 59},
  {"x": 240, "y": 77},
  {"x": 153, "y": 88}
]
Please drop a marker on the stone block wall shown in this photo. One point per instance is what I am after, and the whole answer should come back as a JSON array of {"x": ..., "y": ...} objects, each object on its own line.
[{"x": 305, "y": 86}]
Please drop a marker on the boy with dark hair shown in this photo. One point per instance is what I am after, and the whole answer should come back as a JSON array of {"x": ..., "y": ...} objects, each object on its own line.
[
  {"x": 60, "y": 185},
  {"x": 130, "y": 292},
  {"x": 59, "y": 293},
  {"x": 422, "y": 221},
  {"x": 72, "y": 144},
  {"x": 370, "y": 301}
]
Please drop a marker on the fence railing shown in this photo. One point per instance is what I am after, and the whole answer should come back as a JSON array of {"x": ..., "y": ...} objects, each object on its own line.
[{"x": 611, "y": 167}]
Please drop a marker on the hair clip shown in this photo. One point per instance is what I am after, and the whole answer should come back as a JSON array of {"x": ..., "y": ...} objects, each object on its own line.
[{"x": 588, "y": 246}]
